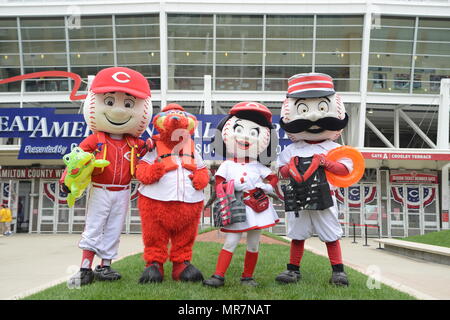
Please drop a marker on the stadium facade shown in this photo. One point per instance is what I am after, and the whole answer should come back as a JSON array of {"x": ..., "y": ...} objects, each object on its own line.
[{"x": 389, "y": 60}]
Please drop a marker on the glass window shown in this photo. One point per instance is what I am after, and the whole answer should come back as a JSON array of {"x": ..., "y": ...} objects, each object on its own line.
[
  {"x": 190, "y": 71},
  {"x": 239, "y": 71},
  {"x": 240, "y": 19},
  {"x": 238, "y": 58},
  {"x": 288, "y": 45},
  {"x": 338, "y": 58},
  {"x": 137, "y": 31},
  {"x": 397, "y": 21},
  {"x": 340, "y": 20},
  {"x": 191, "y": 44},
  {"x": 283, "y": 58},
  {"x": 190, "y": 31},
  {"x": 188, "y": 57},
  {"x": 138, "y": 45},
  {"x": 388, "y": 79},
  {"x": 289, "y": 20},
  {"x": 391, "y": 46},
  {"x": 340, "y": 32},
  {"x": 9, "y": 60},
  {"x": 430, "y": 48},
  {"x": 393, "y": 60},
  {"x": 91, "y": 32},
  {"x": 239, "y": 32},
  {"x": 433, "y": 34},
  {"x": 42, "y": 22},
  {"x": 138, "y": 58},
  {"x": 238, "y": 45},
  {"x": 282, "y": 32},
  {"x": 392, "y": 33},
  {"x": 45, "y": 59},
  {"x": 91, "y": 46},
  {"x": 7, "y": 72},
  {"x": 238, "y": 84},
  {"x": 189, "y": 19},
  {"x": 100, "y": 59},
  {"x": 347, "y": 45},
  {"x": 137, "y": 19}
]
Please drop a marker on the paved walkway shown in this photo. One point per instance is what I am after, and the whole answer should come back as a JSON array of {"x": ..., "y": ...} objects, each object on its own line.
[
  {"x": 32, "y": 262},
  {"x": 422, "y": 279}
]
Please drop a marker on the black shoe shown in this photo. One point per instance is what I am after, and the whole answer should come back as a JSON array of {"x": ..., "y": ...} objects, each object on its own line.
[
  {"x": 249, "y": 282},
  {"x": 151, "y": 274},
  {"x": 215, "y": 281},
  {"x": 191, "y": 273},
  {"x": 339, "y": 278},
  {"x": 106, "y": 273},
  {"x": 81, "y": 278},
  {"x": 291, "y": 275}
]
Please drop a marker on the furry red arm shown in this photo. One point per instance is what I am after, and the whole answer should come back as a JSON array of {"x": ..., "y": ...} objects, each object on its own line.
[
  {"x": 149, "y": 173},
  {"x": 273, "y": 180},
  {"x": 200, "y": 178}
]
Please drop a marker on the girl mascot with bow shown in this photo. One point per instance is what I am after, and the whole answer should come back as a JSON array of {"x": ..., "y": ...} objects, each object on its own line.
[{"x": 248, "y": 139}]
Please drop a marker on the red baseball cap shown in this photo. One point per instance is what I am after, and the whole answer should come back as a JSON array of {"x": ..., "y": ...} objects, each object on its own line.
[
  {"x": 310, "y": 85},
  {"x": 121, "y": 79},
  {"x": 252, "y": 106}
]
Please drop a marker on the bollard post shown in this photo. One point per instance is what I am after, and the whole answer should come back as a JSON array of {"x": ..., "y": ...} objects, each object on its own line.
[
  {"x": 354, "y": 233},
  {"x": 379, "y": 237},
  {"x": 365, "y": 236}
]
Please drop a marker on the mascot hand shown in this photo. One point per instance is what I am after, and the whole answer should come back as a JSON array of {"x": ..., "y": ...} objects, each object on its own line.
[
  {"x": 284, "y": 171},
  {"x": 200, "y": 178},
  {"x": 242, "y": 185},
  {"x": 150, "y": 173},
  {"x": 62, "y": 186},
  {"x": 332, "y": 166},
  {"x": 267, "y": 188},
  {"x": 150, "y": 144}
]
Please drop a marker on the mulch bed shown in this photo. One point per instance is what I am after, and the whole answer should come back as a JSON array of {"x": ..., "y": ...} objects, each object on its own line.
[{"x": 217, "y": 236}]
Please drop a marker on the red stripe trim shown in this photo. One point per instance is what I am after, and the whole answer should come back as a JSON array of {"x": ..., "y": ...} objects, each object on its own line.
[
  {"x": 309, "y": 78},
  {"x": 310, "y": 86},
  {"x": 252, "y": 228}
]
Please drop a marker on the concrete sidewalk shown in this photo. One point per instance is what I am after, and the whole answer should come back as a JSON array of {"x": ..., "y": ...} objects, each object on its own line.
[
  {"x": 419, "y": 278},
  {"x": 32, "y": 262}
]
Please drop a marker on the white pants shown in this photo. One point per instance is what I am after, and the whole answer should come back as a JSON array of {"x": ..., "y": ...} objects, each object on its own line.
[
  {"x": 324, "y": 223},
  {"x": 105, "y": 217},
  {"x": 233, "y": 238}
]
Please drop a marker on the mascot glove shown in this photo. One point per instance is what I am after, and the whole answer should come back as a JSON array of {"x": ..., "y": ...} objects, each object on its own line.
[
  {"x": 284, "y": 171},
  {"x": 150, "y": 144},
  {"x": 150, "y": 173},
  {"x": 332, "y": 166},
  {"x": 200, "y": 178},
  {"x": 241, "y": 185},
  {"x": 266, "y": 187}
]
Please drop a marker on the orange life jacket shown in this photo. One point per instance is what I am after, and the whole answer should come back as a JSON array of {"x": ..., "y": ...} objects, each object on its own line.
[
  {"x": 186, "y": 154},
  {"x": 102, "y": 148}
]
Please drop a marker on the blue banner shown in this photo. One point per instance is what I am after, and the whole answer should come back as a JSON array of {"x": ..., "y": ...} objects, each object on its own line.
[{"x": 46, "y": 134}]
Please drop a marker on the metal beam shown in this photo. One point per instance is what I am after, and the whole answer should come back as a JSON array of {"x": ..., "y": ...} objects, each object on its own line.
[
  {"x": 396, "y": 129},
  {"x": 443, "y": 115},
  {"x": 379, "y": 134},
  {"x": 417, "y": 129}
]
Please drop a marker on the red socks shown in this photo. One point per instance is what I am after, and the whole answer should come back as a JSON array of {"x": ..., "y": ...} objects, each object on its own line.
[
  {"x": 334, "y": 252},
  {"x": 87, "y": 259},
  {"x": 249, "y": 264},
  {"x": 297, "y": 249},
  {"x": 223, "y": 262}
]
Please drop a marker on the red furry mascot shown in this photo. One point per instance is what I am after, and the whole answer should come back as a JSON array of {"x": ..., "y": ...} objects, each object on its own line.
[{"x": 171, "y": 197}]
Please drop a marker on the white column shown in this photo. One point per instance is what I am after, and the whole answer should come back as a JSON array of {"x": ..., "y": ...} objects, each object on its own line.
[
  {"x": 363, "y": 77},
  {"x": 443, "y": 115},
  {"x": 445, "y": 195},
  {"x": 163, "y": 53},
  {"x": 396, "y": 128},
  {"x": 207, "y": 94}
]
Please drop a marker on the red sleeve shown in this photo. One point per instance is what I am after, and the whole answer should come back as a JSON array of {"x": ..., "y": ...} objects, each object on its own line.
[
  {"x": 284, "y": 171},
  {"x": 273, "y": 180},
  {"x": 219, "y": 180},
  {"x": 89, "y": 144}
]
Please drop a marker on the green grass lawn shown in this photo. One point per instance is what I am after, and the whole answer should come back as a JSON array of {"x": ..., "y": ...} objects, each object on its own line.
[
  {"x": 272, "y": 260},
  {"x": 440, "y": 238}
]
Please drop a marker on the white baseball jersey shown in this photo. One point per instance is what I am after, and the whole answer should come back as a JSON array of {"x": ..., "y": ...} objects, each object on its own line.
[
  {"x": 175, "y": 185},
  {"x": 324, "y": 223},
  {"x": 247, "y": 176}
]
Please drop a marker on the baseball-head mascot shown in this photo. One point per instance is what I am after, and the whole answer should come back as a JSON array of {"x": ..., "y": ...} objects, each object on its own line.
[
  {"x": 170, "y": 201},
  {"x": 247, "y": 134},
  {"x": 118, "y": 110},
  {"x": 313, "y": 115}
]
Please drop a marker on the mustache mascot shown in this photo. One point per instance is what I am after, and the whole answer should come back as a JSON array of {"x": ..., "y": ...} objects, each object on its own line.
[{"x": 313, "y": 115}]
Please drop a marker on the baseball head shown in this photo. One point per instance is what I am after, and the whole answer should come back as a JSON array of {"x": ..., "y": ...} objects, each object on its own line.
[
  {"x": 118, "y": 102},
  {"x": 312, "y": 109}
]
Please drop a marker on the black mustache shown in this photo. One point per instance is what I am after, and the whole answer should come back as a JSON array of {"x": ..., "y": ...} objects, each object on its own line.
[{"x": 328, "y": 123}]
